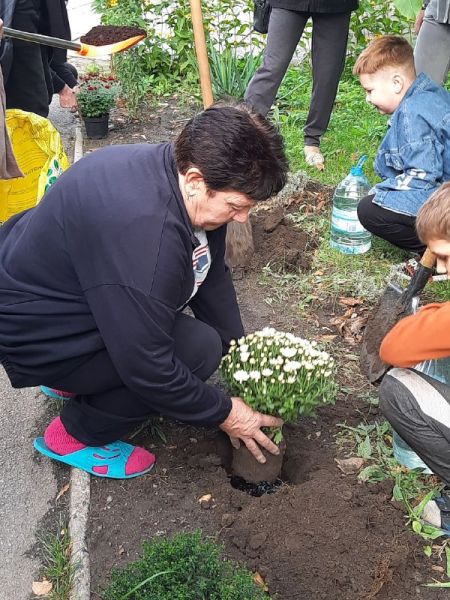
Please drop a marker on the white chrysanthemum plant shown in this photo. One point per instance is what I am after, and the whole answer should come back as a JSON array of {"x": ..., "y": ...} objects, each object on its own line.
[{"x": 280, "y": 374}]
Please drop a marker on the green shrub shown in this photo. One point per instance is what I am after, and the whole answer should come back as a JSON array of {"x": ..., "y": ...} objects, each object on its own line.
[
  {"x": 183, "y": 567},
  {"x": 231, "y": 75}
]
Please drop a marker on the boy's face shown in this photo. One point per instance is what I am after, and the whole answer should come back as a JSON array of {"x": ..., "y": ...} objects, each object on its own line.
[
  {"x": 384, "y": 89},
  {"x": 441, "y": 248}
]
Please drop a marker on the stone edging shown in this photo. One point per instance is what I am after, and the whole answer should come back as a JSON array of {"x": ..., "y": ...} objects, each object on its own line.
[{"x": 80, "y": 491}]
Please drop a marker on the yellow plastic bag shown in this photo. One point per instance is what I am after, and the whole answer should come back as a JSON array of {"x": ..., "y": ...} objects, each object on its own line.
[{"x": 40, "y": 154}]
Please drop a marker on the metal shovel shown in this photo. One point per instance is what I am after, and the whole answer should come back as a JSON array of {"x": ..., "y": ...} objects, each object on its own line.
[
  {"x": 82, "y": 49},
  {"x": 394, "y": 304}
]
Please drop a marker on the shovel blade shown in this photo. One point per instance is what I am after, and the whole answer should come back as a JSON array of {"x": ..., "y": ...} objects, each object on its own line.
[{"x": 385, "y": 315}]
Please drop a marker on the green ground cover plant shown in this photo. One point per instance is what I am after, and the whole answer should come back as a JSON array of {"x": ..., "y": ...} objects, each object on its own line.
[{"x": 185, "y": 566}]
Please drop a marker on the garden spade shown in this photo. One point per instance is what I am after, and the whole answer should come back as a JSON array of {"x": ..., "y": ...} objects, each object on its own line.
[
  {"x": 239, "y": 241},
  {"x": 394, "y": 304},
  {"x": 81, "y": 48}
]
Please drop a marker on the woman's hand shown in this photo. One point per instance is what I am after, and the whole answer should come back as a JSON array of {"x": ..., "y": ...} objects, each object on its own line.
[
  {"x": 67, "y": 97},
  {"x": 243, "y": 423},
  {"x": 419, "y": 21}
]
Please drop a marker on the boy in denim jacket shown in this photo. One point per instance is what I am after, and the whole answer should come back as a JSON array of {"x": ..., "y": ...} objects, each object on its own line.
[{"x": 414, "y": 157}]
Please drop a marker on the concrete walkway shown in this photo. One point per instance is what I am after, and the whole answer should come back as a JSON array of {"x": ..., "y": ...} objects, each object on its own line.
[
  {"x": 28, "y": 484},
  {"x": 27, "y": 488}
]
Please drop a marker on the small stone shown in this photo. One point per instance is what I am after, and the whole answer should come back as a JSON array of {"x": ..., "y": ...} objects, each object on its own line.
[
  {"x": 347, "y": 494},
  {"x": 257, "y": 540},
  {"x": 240, "y": 540},
  {"x": 228, "y": 520},
  {"x": 108, "y": 499}
]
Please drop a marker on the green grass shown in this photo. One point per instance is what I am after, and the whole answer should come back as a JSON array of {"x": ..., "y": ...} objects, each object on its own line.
[
  {"x": 437, "y": 291},
  {"x": 57, "y": 569},
  {"x": 373, "y": 443}
]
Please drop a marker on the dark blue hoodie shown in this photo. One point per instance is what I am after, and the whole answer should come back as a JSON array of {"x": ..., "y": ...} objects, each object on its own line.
[{"x": 105, "y": 260}]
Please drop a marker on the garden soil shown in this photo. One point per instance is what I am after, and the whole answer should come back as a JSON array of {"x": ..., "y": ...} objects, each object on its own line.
[{"x": 322, "y": 534}]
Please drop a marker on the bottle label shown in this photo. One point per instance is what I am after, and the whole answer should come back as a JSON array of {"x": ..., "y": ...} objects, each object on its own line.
[{"x": 346, "y": 220}]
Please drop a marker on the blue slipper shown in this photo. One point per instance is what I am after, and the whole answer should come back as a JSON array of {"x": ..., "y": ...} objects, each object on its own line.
[
  {"x": 115, "y": 456},
  {"x": 57, "y": 394}
]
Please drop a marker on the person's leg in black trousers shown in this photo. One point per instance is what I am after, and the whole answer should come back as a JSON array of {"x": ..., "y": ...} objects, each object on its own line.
[
  {"x": 328, "y": 50},
  {"x": 105, "y": 410},
  {"x": 396, "y": 228}
]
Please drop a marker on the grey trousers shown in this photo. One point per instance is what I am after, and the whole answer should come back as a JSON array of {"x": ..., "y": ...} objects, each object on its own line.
[
  {"x": 418, "y": 408},
  {"x": 329, "y": 44},
  {"x": 432, "y": 50}
]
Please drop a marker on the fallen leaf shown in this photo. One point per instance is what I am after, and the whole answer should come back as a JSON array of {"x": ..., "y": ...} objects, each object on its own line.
[
  {"x": 438, "y": 568},
  {"x": 327, "y": 338},
  {"x": 42, "y": 588},
  {"x": 349, "y": 465},
  {"x": 350, "y": 301},
  {"x": 62, "y": 491},
  {"x": 257, "y": 578}
]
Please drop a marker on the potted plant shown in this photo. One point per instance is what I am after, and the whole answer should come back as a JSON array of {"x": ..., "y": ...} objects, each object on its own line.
[
  {"x": 96, "y": 96},
  {"x": 280, "y": 374}
]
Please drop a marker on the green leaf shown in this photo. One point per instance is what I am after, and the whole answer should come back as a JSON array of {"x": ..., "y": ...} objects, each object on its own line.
[
  {"x": 427, "y": 550},
  {"x": 365, "y": 448},
  {"x": 447, "y": 554},
  {"x": 371, "y": 473},
  {"x": 408, "y": 8},
  {"x": 397, "y": 493},
  {"x": 416, "y": 526}
]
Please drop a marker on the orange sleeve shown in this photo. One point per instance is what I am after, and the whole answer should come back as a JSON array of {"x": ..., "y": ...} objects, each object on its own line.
[{"x": 419, "y": 337}]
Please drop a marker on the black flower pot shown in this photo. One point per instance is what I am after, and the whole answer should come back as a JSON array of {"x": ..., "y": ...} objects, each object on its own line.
[{"x": 96, "y": 127}]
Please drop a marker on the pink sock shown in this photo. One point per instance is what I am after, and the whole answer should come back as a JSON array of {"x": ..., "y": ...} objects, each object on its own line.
[{"x": 61, "y": 442}]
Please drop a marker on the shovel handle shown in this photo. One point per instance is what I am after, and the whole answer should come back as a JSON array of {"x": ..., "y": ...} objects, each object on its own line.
[
  {"x": 38, "y": 38},
  {"x": 202, "y": 53},
  {"x": 428, "y": 259}
]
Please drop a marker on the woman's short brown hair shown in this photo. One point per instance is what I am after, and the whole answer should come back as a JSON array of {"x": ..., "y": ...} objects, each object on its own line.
[
  {"x": 235, "y": 149},
  {"x": 433, "y": 220},
  {"x": 385, "y": 51}
]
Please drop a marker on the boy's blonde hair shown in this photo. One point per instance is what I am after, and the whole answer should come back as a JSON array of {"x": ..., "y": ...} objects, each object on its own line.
[
  {"x": 385, "y": 51},
  {"x": 433, "y": 220}
]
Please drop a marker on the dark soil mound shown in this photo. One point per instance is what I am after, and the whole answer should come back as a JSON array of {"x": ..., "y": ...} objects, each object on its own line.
[
  {"x": 280, "y": 244},
  {"x": 102, "y": 35}
]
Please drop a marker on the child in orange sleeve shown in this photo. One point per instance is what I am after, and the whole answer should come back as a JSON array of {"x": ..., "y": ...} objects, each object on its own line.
[{"x": 417, "y": 406}]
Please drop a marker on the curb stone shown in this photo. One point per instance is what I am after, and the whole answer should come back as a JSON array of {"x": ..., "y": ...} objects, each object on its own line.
[{"x": 80, "y": 491}]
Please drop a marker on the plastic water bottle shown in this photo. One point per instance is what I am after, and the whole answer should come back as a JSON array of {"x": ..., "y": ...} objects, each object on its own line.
[
  {"x": 437, "y": 369},
  {"x": 347, "y": 233}
]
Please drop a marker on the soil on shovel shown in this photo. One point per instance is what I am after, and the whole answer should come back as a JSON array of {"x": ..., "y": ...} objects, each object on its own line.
[
  {"x": 102, "y": 35},
  {"x": 321, "y": 535}
]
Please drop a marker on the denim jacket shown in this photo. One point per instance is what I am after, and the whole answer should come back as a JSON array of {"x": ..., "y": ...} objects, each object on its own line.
[{"x": 414, "y": 157}]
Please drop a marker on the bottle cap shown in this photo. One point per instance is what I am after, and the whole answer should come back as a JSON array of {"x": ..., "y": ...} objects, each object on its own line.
[{"x": 358, "y": 168}]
